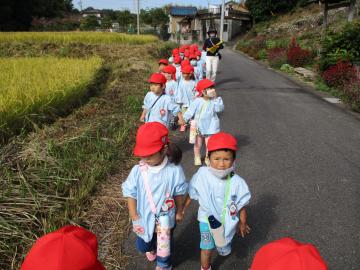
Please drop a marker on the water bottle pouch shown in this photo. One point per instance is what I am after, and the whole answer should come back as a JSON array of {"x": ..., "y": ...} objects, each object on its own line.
[{"x": 218, "y": 235}]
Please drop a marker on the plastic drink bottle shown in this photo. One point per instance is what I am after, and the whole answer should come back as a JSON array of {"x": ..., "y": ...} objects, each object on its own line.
[
  {"x": 163, "y": 236},
  {"x": 193, "y": 133},
  {"x": 217, "y": 230}
]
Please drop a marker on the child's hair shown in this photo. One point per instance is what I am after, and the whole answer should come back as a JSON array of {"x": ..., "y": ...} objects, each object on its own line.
[
  {"x": 223, "y": 149},
  {"x": 174, "y": 153}
]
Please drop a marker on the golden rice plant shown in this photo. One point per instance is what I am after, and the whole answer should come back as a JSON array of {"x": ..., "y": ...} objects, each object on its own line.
[
  {"x": 35, "y": 89},
  {"x": 76, "y": 37}
]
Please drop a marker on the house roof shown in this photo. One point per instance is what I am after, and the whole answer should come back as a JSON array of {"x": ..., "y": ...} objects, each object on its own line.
[{"x": 183, "y": 11}]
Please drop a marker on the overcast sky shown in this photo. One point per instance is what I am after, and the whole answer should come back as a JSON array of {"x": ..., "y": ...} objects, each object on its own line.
[{"x": 130, "y": 4}]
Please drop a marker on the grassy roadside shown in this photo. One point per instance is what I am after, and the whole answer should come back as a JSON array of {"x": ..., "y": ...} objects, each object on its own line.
[{"x": 50, "y": 174}]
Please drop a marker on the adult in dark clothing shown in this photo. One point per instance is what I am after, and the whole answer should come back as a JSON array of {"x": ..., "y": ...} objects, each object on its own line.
[{"x": 212, "y": 46}]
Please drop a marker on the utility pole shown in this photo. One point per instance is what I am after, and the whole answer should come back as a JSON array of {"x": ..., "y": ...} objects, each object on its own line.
[
  {"x": 138, "y": 17},
  {"x": 222, "y": 19},
  {"x": 81, "y": 5}
]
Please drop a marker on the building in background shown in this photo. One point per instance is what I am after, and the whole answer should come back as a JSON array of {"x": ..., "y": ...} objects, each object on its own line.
[{"x": 188, "y": 24}]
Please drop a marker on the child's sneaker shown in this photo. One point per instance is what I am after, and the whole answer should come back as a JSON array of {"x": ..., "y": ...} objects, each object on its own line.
[
  {"x": 197, "y": 161},
  {"x": 182, "y": 128},
  {"x": 207, "y": 161},
  {"x": 151, "y": 256}
]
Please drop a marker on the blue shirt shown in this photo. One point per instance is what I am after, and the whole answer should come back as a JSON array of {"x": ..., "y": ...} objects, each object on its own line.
[
  {"x": 186, "y": 92},
  {"x": 171, "y": 90},
  {"x": 205, "y": 114},
  {"x": 210, "y": 191},
  {"x": 162, "y": 109},
  {"x": 170, "y": 179}
]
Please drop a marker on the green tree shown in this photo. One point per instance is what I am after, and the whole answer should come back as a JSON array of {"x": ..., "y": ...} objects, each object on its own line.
[
  {"x": 89, "y": 23},
  {"x": 264, "y": 9},
  {"x": 125, "y": 18},
  {"x": 106, "y": 22}
]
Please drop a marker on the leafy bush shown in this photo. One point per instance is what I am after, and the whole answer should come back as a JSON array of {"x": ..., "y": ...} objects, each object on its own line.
[
  {"x": 298, "y": 56},
  {"x": 344, "y": 45},
  {"x": 262, "y": 54},
  {"x": 277, "y": 57},
  {"x": 352, "y": 92},
  {"x": 259, "y": 42},
  {"x": 287, "y": 68},
  {"x": 340, "y": 74}
]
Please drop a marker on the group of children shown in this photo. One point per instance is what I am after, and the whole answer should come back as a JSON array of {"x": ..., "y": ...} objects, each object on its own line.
[{"x": 157, "y": 192}]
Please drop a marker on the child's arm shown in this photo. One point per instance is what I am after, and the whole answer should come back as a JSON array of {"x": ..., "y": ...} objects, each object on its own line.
[
  {"x": 186, "y": 203},
  {"x": 243, "y": 227},
  {"x": 142, "y": 117},
  {"x": 132, "y": 205},
  {"x": 181, "y": 119},
  {"x": 179, "y": 207}
]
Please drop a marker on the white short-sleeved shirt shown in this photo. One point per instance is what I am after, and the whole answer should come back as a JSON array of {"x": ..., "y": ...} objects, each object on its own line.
[
  {"x": 162, "y": 109},
  {"x": 210, "y": 190},
  {"x": 206, "y": 114},
  {"x": 169, "y": 180}
]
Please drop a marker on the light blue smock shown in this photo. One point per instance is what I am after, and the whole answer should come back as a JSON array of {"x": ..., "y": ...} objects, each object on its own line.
[
  {"x": 178, "y": 72},
  {"x": 210, "y": 190},
  {"x": 162, "y": 109},
  {"x": 186, "y": 92},
  {"x": 198, "y": 72},
  {"x": 170, "y": 179},
  {"x": 171, "y": 90},
  {"x": 205, "y": 114}
]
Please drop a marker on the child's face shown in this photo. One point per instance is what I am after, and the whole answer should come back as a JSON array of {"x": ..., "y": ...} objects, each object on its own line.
[
  {"x": 156, "y": 88},
  {"x": 161, "y": 67},
  {"x": 155, "y": 159},
  {"x": 167, "y": 76},
  {"x": 221, "y": 160},
  {"x": 186, "y": 76}
]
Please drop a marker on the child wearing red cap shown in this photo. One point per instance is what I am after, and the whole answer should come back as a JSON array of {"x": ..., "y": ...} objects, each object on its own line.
[
  {"x": 162, "y": 63},
  {"x": 287, "y": 253},
  {"x": 177, "y": 65},
  {"x": 158, "y": 107},
  {"x": 222, "y": 197},
  {"x": 204, "y": 110},
  {"x": 70, "y": 247},
  {"x": 198, "y": 71},
  {"x": 154, "y": 189}
]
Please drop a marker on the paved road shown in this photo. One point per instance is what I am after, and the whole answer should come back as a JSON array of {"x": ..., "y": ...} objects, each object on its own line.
[{"x": 301, "y": 158}]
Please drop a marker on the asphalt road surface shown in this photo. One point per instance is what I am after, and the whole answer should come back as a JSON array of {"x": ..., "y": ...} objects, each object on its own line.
[{"x": 300, "y": 156}]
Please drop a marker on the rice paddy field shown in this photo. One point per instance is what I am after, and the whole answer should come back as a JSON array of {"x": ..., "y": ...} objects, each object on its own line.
[
  {"x": 32, "y": 89},
  {"x": 73, "y": 100},
  {"x": 76, "y": 37}
]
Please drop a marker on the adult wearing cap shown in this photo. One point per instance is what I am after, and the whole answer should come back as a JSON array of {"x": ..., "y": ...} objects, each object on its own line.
[
  {"x": 212, "y": 46},
  {"x": 288, "y": 254},
  {"x": 69, "y": 248}
]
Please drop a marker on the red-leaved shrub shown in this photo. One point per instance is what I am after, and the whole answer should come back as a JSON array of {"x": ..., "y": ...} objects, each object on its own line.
[
  {"x": 340, "y": 74},
  {"x": 297, "y": 56},
  {"x": 276, "y": 57}
]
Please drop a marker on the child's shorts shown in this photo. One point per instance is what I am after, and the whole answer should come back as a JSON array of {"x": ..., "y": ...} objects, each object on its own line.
[{"x": 206, "y": 239}]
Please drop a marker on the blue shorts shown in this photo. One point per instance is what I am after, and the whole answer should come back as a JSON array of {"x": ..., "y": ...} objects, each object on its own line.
[{"x": 206, "y": 239}]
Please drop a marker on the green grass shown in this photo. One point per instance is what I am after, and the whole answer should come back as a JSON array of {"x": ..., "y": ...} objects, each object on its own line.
[
  {"x": 34, "y": 89},
  {"x": 48, "y": 176},
  {"x": 76, "y": 37}
]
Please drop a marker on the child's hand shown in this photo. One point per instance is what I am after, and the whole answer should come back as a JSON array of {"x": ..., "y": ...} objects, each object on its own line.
[
  {"x": 179, "y": 216},
  {"x": 244, "y": 229},
  {"x": 181, "y": 122}
]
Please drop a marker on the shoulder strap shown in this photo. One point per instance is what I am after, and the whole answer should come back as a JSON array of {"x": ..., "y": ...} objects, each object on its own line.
[
  {"x": 144, "y": 174},
  {"x": 154, "y": 105}
]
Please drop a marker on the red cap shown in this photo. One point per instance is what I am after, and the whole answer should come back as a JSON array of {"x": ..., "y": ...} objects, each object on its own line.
[
  {"x": 175, "y": 51},
  {"x": 204, "y": 84},
  {"x": 69, "y": 248},
  {"x": 169, "y": 69},
  {"x": 163, "y": 61},
  {"x": 177, "y": 59},
  {"x": 150, "y": 139},
  {"x": 285, "y": 254},
  {"x": 222, "y": 140},
  {"x": 198, "y": 53},
  {"x": 182, "y": 49},
  {"x": 157, "y": 78},
  {"x": 185, "y": 63},
  {"x": 193, "y": 56},
  {"x": 187, "y": 69},
  {"x": 187, "y": 53},
  {"x": 194, "y": 47}
]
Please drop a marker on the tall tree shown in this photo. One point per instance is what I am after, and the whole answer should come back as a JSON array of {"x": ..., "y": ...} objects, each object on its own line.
[{"x": 263, "y": 9}]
